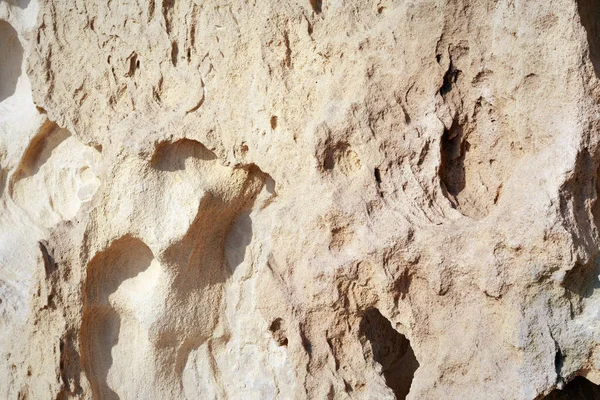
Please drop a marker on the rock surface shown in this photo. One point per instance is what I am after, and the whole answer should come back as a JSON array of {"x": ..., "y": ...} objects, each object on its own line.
[{"x": 306, "y": 199}]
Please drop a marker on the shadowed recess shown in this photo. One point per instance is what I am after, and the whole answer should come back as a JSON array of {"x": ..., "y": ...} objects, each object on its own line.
[
  {"x": 11, "y": 57},
  {"x": 589, "y": 13},
  {"x": 122, "y": 260},
  {"x": 578, "y": 389},
  {"x": 391, "y": 350},
  {"x": 40, "y": 149},
  {"x": 577, "y": 192},
  {"x": 238, "y": 239},
  {"x": 317, "y": 6},
  {"x": 452, "y": 169},
  {"x": 172, "y": 156}
]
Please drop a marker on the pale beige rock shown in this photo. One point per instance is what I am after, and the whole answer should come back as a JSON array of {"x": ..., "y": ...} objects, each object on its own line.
[{"x": 299, "y": 200}]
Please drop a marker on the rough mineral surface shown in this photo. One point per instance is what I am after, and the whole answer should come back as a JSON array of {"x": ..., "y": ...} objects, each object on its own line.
[{"x": 303, "y": 199}]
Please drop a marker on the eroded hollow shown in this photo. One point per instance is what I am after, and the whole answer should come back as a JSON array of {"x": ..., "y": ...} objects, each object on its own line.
[
  {"x": 172, "y": 156},
  {"x": 278, "y": 332},
  {"x": 477, "y": 155},
  {"x": 589, "y": 13},
  {"x": 317, "y": 6},
  {"x": 60, "y": 170},
  {"x": 578, "y": 389},
  {"x": 391, "y": 350},
  {"x": 341, "y": 157},
  {"x": 40, "y": 149},
  {"x": 120, "y": 282},
  {"x": 213, "y": 246},
  {"x": 452, "y": 171},
  {"x": 11, "y": 57}
]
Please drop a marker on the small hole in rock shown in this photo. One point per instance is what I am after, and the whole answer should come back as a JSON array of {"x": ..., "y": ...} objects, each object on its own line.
[
  {"x": 391, "y": 350},
  {"x": 452, "y": 169},
  {"x": 278, "y": 332},
  {"x": 133, "y": 64},
  {"x": 316, "y": 5},
  {"x": 377, "y": 175},
  {"x": 274, "y": 122}
]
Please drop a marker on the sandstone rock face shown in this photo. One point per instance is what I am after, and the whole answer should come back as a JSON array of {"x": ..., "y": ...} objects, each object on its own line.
[{"x": 306, "y": 199}]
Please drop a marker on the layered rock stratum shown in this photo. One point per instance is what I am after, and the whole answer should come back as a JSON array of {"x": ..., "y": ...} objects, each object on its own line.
[{"x": 306, "y": 199}]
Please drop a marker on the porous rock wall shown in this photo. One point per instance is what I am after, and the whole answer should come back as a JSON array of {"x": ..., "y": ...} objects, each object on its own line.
[{"x": 307, "y": 199}]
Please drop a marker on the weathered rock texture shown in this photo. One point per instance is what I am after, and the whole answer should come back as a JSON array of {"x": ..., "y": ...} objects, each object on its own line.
[{"x": 307, "y": 199}]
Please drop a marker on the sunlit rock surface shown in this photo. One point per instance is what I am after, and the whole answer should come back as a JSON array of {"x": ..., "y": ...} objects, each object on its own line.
[{"x": 299, "y": 200}]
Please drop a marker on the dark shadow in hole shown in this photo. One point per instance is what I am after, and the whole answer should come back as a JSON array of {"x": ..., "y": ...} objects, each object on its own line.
[
  {"x": 69, "y": 366},
  {"x": 171, "y": 156},
  {"x": 11, "y": 57},
  {"x": 578, "y": 389},
  {"x": 452, "y": 169},
  {"x": 450, "y": 79},
  {"x": 278, "y": 332},
  {"x": 391, "y": 350},
  {"x": 238, "y": 239},
  {"x": 583, "y": 279},
  {"x": 333, "y": 153},
  {"x": 270, "y": 185},
  {"x": 377, "y": 175},
  {"x": 317, "y": 6},
  {"x": 589, "y": 13}
]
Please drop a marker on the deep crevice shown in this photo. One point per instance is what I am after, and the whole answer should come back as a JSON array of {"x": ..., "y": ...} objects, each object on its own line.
[{"x": 391, "y": 350}]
